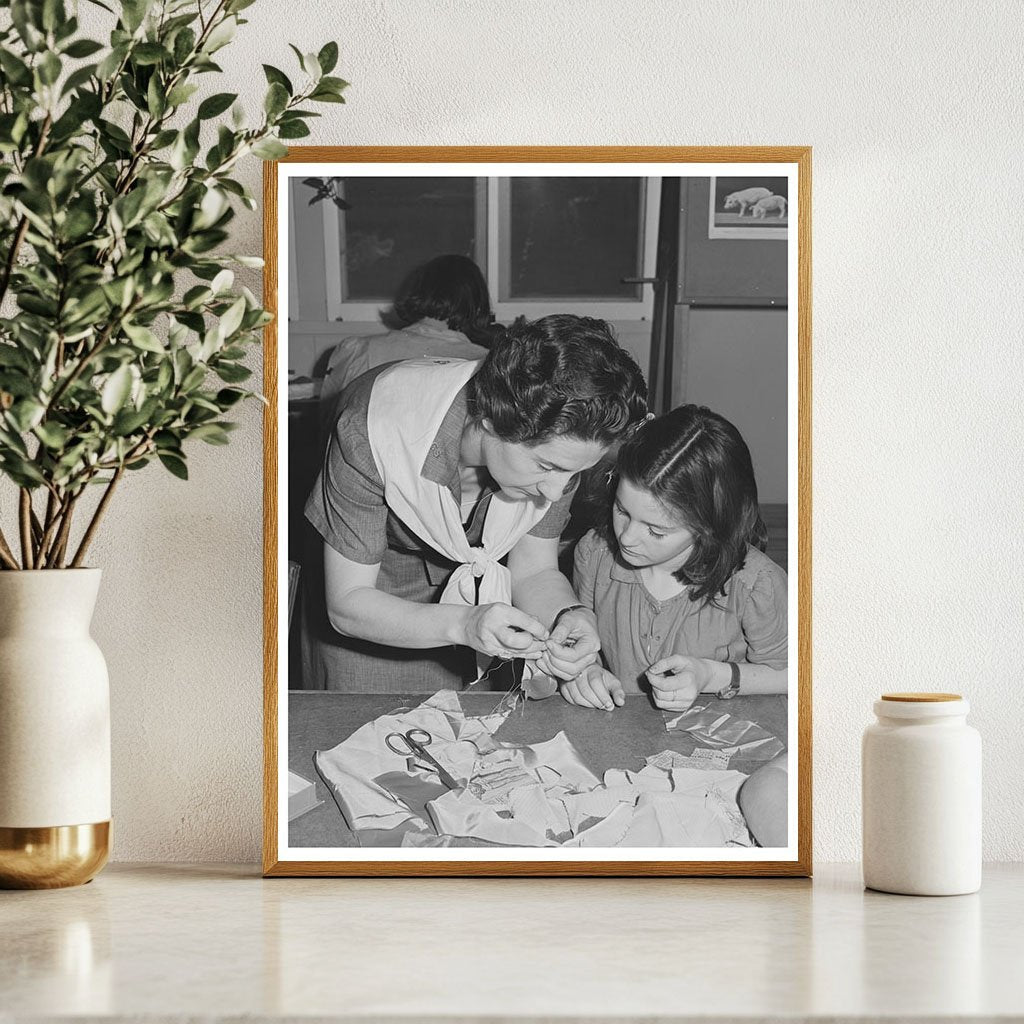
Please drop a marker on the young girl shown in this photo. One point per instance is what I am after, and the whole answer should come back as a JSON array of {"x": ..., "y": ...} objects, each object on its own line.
[{"x": 686, "y": 601}]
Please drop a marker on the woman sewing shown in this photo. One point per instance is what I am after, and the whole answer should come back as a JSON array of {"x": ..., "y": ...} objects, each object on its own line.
[{"x": 445, "y": 487}]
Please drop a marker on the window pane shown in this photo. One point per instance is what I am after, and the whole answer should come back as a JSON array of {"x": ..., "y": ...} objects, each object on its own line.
[
  {"x": 394, "y": 224},
  {"x": 574, "y": 238}
]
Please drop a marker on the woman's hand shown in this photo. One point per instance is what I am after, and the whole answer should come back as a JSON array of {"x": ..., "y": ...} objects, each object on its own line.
[
  {"x": 504, "y": 632},
  {"x": 572, "y": 646},
  {"x": 594, "y": 687},
  {"x": 678, "y": 679}
]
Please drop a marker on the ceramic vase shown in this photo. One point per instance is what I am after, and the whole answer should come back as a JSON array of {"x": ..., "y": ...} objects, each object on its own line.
[{"x": 54, "y": 731}]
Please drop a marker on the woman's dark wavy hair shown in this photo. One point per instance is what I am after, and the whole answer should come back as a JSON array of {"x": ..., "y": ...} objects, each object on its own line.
[
  {"x": 448, "y": 288},
  {"x": 561, "y": 375},
  {"x": 696, "y": 464}
]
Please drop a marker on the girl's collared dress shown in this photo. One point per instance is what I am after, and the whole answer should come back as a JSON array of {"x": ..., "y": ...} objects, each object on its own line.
[{"x": 749, "y": 623}]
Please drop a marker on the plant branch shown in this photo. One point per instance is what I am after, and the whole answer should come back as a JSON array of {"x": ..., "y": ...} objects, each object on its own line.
[
  {"x": 56, "y": 555},
  {"x": 6, "y": 555},
  {"x": 22, "y": 229},
  {"x": 25, "y": 520},
  {"x": 94, "y": 523}
]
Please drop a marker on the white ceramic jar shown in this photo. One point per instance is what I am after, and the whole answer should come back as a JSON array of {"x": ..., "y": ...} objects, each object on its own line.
[{"x": 921, "y": 777}]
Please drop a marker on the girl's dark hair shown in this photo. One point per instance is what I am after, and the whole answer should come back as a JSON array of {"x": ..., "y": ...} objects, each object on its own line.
[
  {"x": 559, "y": 375},
  {"x": 696, "y": 464},
  {"x": 448, "y": 288}
]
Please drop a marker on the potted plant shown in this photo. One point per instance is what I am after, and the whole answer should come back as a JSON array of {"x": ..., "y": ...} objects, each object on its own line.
[{"x": 122, "y": 340}]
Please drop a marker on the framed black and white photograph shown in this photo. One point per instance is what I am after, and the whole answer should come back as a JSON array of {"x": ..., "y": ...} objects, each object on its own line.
[{"x": 537, "y": 512}]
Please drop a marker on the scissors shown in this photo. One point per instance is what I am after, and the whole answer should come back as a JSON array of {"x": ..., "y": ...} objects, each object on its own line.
[{"x": 414, "y": 744}]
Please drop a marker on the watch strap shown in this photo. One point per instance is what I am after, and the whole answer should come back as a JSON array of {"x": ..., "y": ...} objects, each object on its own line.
[
  {"x": 733, "y": 687},
  {"x": 565, "y": 611}
]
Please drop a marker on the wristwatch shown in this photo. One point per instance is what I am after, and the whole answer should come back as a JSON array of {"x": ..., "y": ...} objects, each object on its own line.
[
  {"x": 565, "y": 611},
  {"x": 733, "y": 687}
]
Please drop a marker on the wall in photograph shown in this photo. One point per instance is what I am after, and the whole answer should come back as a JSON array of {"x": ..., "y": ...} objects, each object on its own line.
[
  {"x": 754, "y": 398},
  {"x": 917, "y": 319}
]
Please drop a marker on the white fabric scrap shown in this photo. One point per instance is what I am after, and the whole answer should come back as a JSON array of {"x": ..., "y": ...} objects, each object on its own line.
[
  {"x": 459, "y": 813},
  {"x": 350, "y": 767}
]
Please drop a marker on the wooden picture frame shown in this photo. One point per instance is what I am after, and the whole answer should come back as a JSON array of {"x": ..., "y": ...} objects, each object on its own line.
[{"x": 676, "y": 314}]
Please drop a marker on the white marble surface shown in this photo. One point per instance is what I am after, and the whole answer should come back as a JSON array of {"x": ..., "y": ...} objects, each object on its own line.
[{"x": 215, "y": 941}]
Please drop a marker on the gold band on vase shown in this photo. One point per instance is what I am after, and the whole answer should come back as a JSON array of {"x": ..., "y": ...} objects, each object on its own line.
[{"x": 52, "y": 857}]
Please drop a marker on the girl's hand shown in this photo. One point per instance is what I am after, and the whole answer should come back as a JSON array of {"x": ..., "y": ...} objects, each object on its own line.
[
  {"x": 677, "y": 680},
  {"x": 595, "y": 687},
  {"x": 504, "y": 632},
  {"x": 572, "y": 646}
]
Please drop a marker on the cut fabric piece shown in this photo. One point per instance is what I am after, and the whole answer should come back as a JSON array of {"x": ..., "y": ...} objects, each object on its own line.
[
  {"x": 608, "y": 832},
  {"x": 724, "y": 732},
  {"x": 539, "y": 685},
  {"x": 462, "y": 814},
  {"x": 350, "y": 768},
  {"x": 702, "y": 757}
]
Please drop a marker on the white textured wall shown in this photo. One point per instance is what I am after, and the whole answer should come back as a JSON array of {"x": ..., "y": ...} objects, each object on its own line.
[{"x": 913, "y": 110}]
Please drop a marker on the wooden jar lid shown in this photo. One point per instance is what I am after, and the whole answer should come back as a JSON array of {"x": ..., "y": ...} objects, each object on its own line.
[{"x": 921, "y": 698}]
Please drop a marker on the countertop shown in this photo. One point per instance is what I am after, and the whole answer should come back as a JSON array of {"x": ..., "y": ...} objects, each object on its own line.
[{"x": 180, "y": 941}]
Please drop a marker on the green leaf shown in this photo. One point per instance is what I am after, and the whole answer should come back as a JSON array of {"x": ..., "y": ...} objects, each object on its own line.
[
  {"x": 14, "y": 68},
  {"x": 175, "y": 465},
  {"x": 133, "y": 13},
  {"x": 128, "y": 421},
  {"x": 21, "y": 471},
  {"x": 227, "y": 397},
  {"x": 232, "y": 373},
  {"x": 109, "y": 65},
  {"x": 53, "y": 435},
  {"x": 211, "y": 433},
  {"x": 156, "y": 99},
  {"x": 149, "y": 53},
  {"x": 311, "y": 65},
  {"x": 181, "y": 94},
  {"x": 275, "y": 76},
  {"x": 232, "y": 319},
  {"x": 276, "y": 99},
  {"x": 12, "y": 356},
  {"x": 196, "y": 296},
  {"x": 292, "y": 130},
  {"x": 53, "y": 15},
  {"x": 333, "y": 84},
  {"x": 49, "y": 68},
  {"x": 215, "y": 105},
  {"x": 143, "y": 338},
  {"x": 83, "y": 48},
  {"x": 26, "y": 21},
  {"x": 26, "y": 414},
  {"x": 328, "y": 57},
  {"x": 325, "y": 96},
  {"x": 184, "y": 44},
  {"x": 222, "y": 282},
  {"x": 116, "y": 390},
  {"x": 36, "y": 304},
  {"x": 163, "y": 139},
  {"x": 221, "y": 35},
  {"x": 269, "y": 149},
  {"x": 77, "y": 79}
]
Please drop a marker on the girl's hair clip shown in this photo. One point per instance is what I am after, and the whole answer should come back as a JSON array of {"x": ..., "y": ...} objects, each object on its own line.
[{"x": 650, "y": 416}]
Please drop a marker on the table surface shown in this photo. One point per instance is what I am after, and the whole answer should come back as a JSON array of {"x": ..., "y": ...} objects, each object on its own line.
[
  {"x": 180, "y": 942},
  {"x": 604, "y": 739}
]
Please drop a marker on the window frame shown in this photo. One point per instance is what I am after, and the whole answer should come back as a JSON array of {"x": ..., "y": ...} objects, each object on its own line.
[{"x": 492, "y": 242}]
